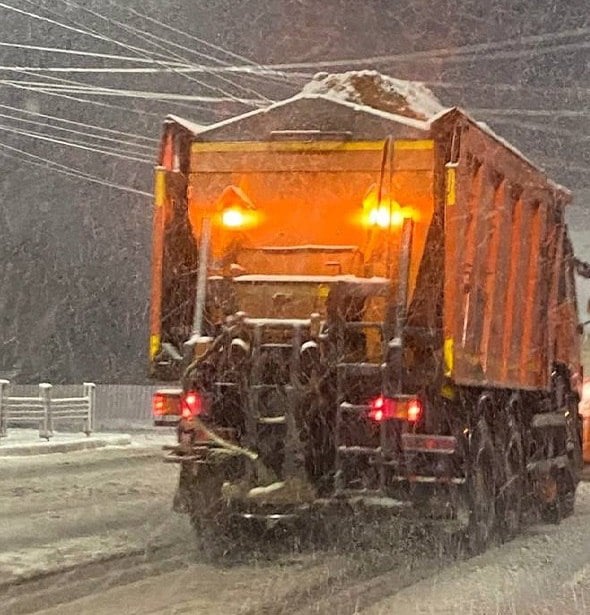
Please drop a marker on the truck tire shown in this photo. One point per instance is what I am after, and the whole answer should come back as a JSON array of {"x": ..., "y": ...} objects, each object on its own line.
[
  {"x": 206, "y": 511},
  {"x": 481, "y": 489},
  {"x": 511, "y": 492},
  {"x": 567, "y": 478}
]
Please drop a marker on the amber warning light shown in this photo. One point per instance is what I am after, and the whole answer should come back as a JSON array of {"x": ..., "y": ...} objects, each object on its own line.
[{"x": 384, "y": 212}]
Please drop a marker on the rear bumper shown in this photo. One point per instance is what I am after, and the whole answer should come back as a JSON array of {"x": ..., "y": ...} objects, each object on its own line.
[
  {"x": 166, "y": 421},
  {"x": 429, "y": 443}
]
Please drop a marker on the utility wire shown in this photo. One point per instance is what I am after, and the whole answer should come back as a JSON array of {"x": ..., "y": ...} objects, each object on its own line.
[
  {"x": 541, "y": 128},
  {"x": 131, "y": 29},
  {"x": 69, "y": 143},
  {"x": 82, "y": 124},
  {"x": 139, "y": 32},
  {"x": 453, "y": 53},
  {"x": 119, "y": 142},
  {"x": 81, "y": 88},
  {"x": 88, "y": 31},
  {"x": 48, "y": 88},
  {"x": 76, "y": 52},
  {"x": 191, "y": 36},
  {"x": 506, "y": 87},
  {"x": 276, "y": 76},
  {"x": 63, "y": 25},
  {"x": 58, "y": 168},
  {"x": 88, "y": 101},
  {"x": 533, "y": 112}
]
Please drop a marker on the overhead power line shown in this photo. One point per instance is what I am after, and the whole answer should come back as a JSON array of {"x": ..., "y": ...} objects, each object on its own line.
[
  {"x": 71, "y": 143},
  {"x": 146, "y": 53},
  {"x": 533, "y": 112},
  {"x": 556, "y": 130},
  {"x": 65, "y": 26},
  {"x": 59, "y": 168},
  {"x": 87, "y": 101},
  {"x": 505, "y": 87},
  {"x": 119, "y": 142},
  {"x": 166, "y": 26},
  {"x": 278, "y": 77},
  {"x": 82, "y": 124},
  {"x": 76, "y": 52},
  {"x": 80, "y": 88},
  {"x": 452, "y": 53}
]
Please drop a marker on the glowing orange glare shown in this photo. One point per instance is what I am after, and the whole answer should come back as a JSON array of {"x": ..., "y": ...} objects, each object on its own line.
[
  {"x": 233, "y": 217},
  {"x": 384, "y": 217}
]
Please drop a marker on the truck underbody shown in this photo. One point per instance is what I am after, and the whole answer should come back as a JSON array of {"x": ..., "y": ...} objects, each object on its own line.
[{"x": 294, "y": 419}]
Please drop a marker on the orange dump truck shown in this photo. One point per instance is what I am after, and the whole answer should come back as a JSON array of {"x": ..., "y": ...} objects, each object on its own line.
[{"x": 366, "y": 299}]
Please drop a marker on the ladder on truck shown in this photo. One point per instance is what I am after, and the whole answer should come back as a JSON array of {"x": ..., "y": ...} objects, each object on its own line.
[
  {"x": 387, "y": 373},
  {"x": 362, "y": 372},
  {"x": 294, "y": 331}
]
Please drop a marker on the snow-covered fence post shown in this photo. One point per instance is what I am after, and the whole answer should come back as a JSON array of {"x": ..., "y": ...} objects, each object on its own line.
[
  {"x": 3, "y": 419},
  {"x": 46, "y": 427},
  {"x": 90, "y": 394}
]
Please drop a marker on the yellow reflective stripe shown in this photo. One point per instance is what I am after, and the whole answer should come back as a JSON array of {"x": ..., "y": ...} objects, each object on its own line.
[
  {"x": 159, "y": 186},
  {"x": 294, "y": 146},
  {"x": 451, "y": 184},
  {"x": 414, "y": 144},
  {"x": 154, "y": 345},
  {"x": 449, "y": 355}
]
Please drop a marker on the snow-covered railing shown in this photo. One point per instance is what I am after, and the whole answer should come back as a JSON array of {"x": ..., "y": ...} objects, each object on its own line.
[{"x": 45, "y": 410}]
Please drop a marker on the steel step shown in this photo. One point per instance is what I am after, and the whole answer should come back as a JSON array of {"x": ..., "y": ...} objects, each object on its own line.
[
  {"x": 272, "y": 420},
  {"x": 357, "y": 408},
  {"x": 360, "y": 369},
  {"x": 359, "y": 450}
]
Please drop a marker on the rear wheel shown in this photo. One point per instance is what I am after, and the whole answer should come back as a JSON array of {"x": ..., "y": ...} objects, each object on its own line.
[
  {"x": 511, "y": 492},
  {"x": 200, "y": 491},
  {"x": 481, "y": 489},
  {"x": 563, "y": 481}
]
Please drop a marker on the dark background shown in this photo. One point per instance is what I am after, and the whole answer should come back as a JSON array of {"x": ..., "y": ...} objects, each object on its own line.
[{"x": 75, "y": 254}]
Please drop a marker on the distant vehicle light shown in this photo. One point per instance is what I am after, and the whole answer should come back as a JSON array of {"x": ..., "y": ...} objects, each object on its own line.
[
  {"x": 159, "y": 405},
  {"x": 166, "y": 406}
]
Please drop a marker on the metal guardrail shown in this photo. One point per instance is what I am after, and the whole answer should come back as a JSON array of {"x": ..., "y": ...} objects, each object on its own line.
[{"x": 45, "y": 410}]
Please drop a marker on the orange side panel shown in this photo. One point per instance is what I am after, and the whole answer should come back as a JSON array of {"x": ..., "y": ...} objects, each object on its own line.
[{"x": 499, "y": 265}]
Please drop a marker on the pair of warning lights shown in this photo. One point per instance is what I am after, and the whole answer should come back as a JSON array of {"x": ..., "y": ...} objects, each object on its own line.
[{"x": 238, "y": 211}]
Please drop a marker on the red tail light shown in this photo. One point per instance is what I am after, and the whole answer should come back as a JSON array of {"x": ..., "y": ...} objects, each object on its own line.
[
  {"x": 191, "y": 404},
  {"x": 385, "y": 408},
  {"x": 414, "y": 410},
  {"x": 382, "y": 409}
]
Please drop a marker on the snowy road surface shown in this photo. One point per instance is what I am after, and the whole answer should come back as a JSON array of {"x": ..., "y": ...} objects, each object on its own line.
[{"x": 92, "y": 532}]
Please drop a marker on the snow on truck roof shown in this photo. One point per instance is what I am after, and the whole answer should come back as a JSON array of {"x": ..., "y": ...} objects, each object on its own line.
[
  {"x": 406, "y": 102},
  {"x": 376, "y": 92},
  {"x": 409, "y": 103}
]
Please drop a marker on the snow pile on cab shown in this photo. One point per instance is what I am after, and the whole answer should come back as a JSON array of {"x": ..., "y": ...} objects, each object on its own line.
[{"x": 372, "y": 89}]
